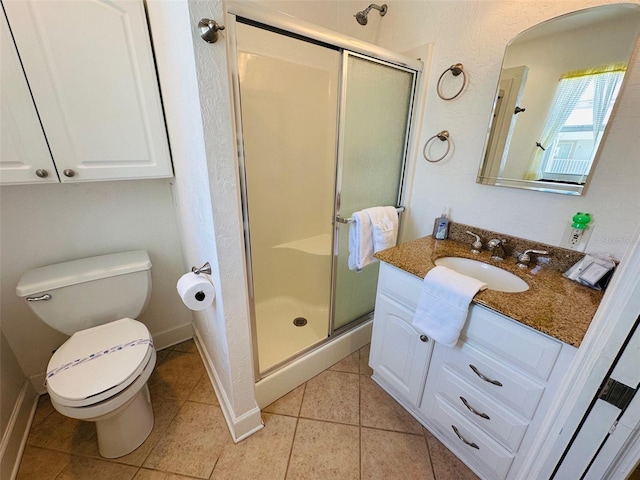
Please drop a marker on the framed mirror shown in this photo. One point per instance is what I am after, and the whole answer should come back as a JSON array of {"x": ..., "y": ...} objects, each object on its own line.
[{"x": 558, "y": 85}]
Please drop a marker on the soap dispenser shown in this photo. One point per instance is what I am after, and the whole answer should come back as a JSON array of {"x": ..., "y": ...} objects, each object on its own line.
[{"x": 441, "y": 227}]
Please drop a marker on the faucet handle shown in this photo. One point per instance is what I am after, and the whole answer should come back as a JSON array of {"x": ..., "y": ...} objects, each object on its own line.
[
  {"x": 524, "y": 258},
  {"x": 476, "y": 246}
]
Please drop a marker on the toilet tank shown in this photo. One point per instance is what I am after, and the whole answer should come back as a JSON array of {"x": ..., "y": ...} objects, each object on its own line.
[{"x": 80, "y": 294}]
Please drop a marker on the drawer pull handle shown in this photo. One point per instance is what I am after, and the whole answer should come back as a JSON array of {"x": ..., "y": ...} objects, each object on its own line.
[
  {"x": 464, "y": 440},
  {"x": 424, "y": 338},
  {"x": 473, "y": 410},
  {"x": 484, "y": 377}
]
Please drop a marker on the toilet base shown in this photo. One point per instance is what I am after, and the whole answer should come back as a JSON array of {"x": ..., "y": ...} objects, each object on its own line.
[{"x": 125, "y": 431}]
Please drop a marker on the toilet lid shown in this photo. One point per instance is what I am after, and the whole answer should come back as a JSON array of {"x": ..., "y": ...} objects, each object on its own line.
[{"x": 94, "y": 361}]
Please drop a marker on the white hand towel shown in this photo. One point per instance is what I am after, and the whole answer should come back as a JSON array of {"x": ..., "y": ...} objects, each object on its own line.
[
  {"x": 384, "y": 223},
  {"x": 360, "y": 241},
  {"x": 443, "y": 304}
]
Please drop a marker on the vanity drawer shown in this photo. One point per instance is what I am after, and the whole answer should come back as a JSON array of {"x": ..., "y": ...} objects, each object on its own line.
[
  {"x": 492, "y": 417},
  {"x": 471, "y": 443},
  {"x": 516, "y": 391},
  {"x": 399, "y": 285},
  {"x": 519, "y": 345}
]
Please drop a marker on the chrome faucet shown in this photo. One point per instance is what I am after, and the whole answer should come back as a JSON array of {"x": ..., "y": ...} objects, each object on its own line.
[
  {"x": 524, "y": 258},
  {"x": 476, "y": 246},
  {"x": 496, "y": 247}
]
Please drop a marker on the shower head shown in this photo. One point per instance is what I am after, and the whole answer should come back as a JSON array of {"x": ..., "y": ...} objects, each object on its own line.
[{"x": 361, "y": 17}]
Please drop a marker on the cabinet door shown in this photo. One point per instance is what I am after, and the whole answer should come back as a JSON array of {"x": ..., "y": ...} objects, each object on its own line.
[
  {"x": 23, "y": 148},
  {"x": 399, "y": 354},
  {"x": 90, "y": 67}
]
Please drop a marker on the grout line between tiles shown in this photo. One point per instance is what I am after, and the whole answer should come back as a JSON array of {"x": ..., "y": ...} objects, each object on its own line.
[{"x": 293, "y": 439}]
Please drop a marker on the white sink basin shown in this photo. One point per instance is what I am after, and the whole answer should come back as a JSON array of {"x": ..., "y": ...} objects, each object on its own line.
[{"x": 496, "y": 278}]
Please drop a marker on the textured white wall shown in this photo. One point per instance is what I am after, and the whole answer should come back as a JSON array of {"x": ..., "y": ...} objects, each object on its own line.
[{"x": 231, "y": 321}]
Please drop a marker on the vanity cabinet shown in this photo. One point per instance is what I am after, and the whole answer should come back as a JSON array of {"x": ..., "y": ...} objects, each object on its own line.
[
  {"x": 399, "y": 355},
  {"x": 486, "y": 397},
  {"x": 80, "y": 95}
]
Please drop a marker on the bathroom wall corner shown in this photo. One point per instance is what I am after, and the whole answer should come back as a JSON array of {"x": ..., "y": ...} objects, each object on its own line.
[
  {"x": 14, "y": 437},
  {"x": 240, "y": 426}
]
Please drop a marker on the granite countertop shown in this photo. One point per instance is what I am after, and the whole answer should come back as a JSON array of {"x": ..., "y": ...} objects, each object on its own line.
[{"x": 553, "y": 304}]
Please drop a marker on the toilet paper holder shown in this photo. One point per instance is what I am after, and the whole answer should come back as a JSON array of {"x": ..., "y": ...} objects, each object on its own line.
[{"x": 206, "y": 268}]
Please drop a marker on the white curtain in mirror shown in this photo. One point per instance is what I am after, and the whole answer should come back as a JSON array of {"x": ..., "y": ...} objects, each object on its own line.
[{"x": 583, "y": 102}]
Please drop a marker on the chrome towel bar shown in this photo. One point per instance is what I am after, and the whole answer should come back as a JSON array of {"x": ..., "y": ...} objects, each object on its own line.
[{"x": 339, "y": 219}]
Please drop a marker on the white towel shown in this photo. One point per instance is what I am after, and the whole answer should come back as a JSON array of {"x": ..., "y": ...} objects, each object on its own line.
[
  {"x": 443, "y": 304},
  {"x": 384, "y": 224},
  {"x": 360, "y": 241}
]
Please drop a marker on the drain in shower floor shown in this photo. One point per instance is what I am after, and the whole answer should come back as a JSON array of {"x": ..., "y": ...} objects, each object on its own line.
[{"x": 299, "y": 321}]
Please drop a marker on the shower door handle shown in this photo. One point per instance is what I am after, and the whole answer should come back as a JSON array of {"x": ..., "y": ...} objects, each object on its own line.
[{"x": 345, "y": 221}]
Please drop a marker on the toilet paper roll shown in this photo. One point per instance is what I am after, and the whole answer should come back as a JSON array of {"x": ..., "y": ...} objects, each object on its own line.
[{"x": 196, "y": 291}]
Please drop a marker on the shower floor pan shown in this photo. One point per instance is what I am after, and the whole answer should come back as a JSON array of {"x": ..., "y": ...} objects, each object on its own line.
[{"x": 278, "y": 337}]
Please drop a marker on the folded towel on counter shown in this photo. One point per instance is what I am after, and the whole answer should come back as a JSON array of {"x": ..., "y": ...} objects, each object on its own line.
[
  {"x": 384, "y": 225},
  {"x": 443, "y": 304},
  {"x": 360, "y": 241}
]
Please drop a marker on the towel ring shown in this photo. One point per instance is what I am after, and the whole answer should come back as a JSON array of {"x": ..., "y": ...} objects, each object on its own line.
[
  {"x": 455, "y": 70},
  {"x": 443, "y": 136}
]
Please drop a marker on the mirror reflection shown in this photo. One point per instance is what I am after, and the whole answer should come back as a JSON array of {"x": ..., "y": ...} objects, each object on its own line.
[{"x": 559, "y": 83}]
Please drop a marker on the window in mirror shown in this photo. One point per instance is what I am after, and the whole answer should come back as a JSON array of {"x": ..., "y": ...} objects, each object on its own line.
[{"x": 579, "y": 114}]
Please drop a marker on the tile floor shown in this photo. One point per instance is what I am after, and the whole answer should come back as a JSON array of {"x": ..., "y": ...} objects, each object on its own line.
[{"x": 339, "y": 425}]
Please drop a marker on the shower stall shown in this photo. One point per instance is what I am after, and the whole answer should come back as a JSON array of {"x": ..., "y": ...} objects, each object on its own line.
[{"x": 323, "y": 132}]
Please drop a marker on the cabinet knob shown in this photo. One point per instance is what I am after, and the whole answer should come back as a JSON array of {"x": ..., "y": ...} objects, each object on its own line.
[
  {"x": 69, "y": 173},
  {"x": 42, "y": 173},
  {"x": 424, "y": 338}
]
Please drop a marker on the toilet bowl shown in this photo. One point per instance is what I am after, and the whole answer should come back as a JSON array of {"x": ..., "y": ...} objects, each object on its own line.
[{"x": 100, "y": 373}]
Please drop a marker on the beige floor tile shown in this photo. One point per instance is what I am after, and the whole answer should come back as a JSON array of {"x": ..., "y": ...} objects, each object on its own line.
[
  {"x": 65, "y": 434},
  {"x": 379, "y": 410},
  {"x": 365, "y": 369},
  {"x": 43, "y": 410},
  {"x": 188, "y": 346},
  {"x": 164, "y": 410},
  {"x": 144, "y": 474},
  {"x": 332, "y": 396},
  {"x": 203, "y": 392},
  {"x": 393, "y": 455},
  {"x": 289, "y": 404},
  {"x": 445, "y": 464},
  {"x": 41, "y": 464},
  {"x": 264, "y": 455},
  {"x": 82, "y": 468},
  {"x": 176, "y": 375},
  {"x": 192, "y": 443},
  {"x": 325, "y": 451},
  {"x": 350, "y": 364}
]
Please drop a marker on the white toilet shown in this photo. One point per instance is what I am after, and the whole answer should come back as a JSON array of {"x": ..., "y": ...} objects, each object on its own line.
[{"x": 100, "y": 374}]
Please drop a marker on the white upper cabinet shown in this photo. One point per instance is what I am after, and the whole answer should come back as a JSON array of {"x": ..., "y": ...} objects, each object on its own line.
[
  {"x": 23, "y": 148},
  {"x": 90, "y": 68}
]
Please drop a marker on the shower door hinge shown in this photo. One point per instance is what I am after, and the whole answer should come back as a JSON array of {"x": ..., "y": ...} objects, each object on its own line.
[{"x": 617, "y": 394}]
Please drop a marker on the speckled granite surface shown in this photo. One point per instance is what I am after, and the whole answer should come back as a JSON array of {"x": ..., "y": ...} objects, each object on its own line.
[{"x": 553, "y": 304}]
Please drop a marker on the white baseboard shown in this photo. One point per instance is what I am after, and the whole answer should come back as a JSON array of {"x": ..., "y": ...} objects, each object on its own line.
[
  {"x": 282, "y": 381},
  {"x": 164, "y": 339},
  {"x": 15, "y": 436},
  {"x": 240, "y": 427}
]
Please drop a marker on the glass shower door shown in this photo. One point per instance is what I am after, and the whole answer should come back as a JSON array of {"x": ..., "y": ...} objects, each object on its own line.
[
  {"x": 288, "y": 98},
  {"x": 377, "y": 100}
]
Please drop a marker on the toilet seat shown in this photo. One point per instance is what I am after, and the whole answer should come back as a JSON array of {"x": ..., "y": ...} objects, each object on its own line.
[{"x": 98, "y": 363}]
